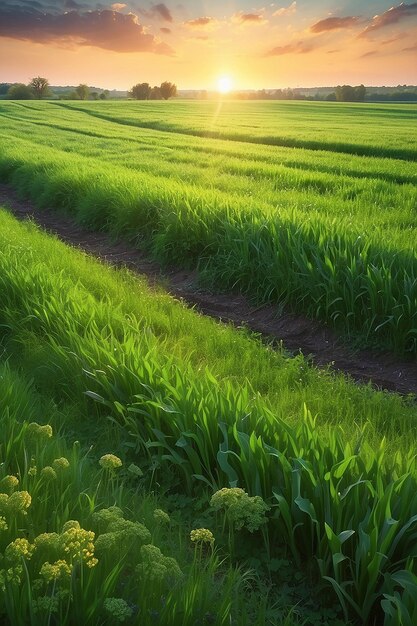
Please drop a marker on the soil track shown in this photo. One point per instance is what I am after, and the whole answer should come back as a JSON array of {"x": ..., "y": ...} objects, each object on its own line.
[{"x": 297, "y": 333}]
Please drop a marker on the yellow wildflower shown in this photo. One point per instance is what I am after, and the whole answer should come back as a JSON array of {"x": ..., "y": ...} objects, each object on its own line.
[
  {"x": 9, "y": 483},
  {"x": 78, "y": 544},
  {"x": 18, "y": 548},
  {"x": 48, "y": 473},
  {"x": 18, "y": 502},
  {"x": 4, "y": 499},
  {"x": 202, "y": 535},
  {"x": 161, "y": 517},
  {"x": 3, "y": 523},
  {"x": 37, "y": 431},
  {"x": 241, "y": 509},
  {"x": 110, "y": 462},
  {"x": 72, "y": 523},
  {"x": 60, "y": 464},
  {"x": 60, "y": 570}
]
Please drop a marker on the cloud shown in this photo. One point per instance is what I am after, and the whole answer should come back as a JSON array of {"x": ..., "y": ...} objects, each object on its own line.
[
  {"x": 371, "y": 53},
  {"x": 334, "y": 23},
  {"x": 161, "y": 11},
  {"x": 286, "y": 10},
  {"x": 118, "y": 6},
  {"x": 165, "y": 30},
  {"x": 292, "y": 48},
  {"x": 105, "y": 29},
  {"x": 201, "y": 22},
  {"x": 411, "y": 48},
  {"x": 248, "y": 18},
  {"x": 392, "y": 16},
  {"x": 386, "y": 42}
]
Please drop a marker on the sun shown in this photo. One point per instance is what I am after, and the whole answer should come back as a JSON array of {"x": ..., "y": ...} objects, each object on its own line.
[{"x": 224, "y": 84}]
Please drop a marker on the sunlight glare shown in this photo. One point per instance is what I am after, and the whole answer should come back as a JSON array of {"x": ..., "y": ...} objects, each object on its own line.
[{"x": 224, "y": 84}]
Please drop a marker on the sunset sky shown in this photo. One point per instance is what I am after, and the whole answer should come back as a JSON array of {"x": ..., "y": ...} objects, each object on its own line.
[{"x": 195, "y": 42}]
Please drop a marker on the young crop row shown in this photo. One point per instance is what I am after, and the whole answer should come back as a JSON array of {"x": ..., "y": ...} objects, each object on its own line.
[
  {"x": 358, "y": 274},
  {"x": 335, "y": 503},
  {"x": 338, "y": 128}
]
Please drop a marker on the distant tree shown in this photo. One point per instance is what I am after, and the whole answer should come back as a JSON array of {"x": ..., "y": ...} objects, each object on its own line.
[
  {"x": 40, "y": 87},
  {"x": 168, "y": 90},
  {"x": 155, "y": 94},
  {"x": 360, "y": 93},
  {"x": 82, "y": 91},
  {"x": 331, "y": 97},
  {"x": 19, "y": 91},
  {"x": 104, "y": 94},
  {"x": 94, "y": 95},
  {"x": 347, "y": 93},
  {"x": 141, "y": 91},
  {"x": 4, "y": 88}
]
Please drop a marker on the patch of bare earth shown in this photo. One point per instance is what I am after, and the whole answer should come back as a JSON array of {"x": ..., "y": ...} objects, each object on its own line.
[{"x": 297, "y": 333}]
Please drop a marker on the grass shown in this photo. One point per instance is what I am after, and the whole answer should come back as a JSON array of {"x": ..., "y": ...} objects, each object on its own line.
[
  {"x": 113, "y": 361},
  {"x": 333, "y": 238}
]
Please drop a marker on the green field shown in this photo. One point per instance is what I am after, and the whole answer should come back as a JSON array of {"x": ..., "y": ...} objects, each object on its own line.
[
  {"x": 325, "y": 531},
  {"x": 332, "y": 235}
]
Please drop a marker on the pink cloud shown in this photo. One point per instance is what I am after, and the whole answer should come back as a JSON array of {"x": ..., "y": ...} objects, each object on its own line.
[
  {"x": 392, "y": 16},
  {"x": 334, "y": 23},
  {"x": 105, "y": 29}
]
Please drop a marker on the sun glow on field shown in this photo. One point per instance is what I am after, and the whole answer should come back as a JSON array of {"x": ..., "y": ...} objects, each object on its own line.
[{"x": 224, "y": 84}]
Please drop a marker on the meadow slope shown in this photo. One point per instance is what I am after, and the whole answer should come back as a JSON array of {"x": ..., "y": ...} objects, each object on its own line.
[{"x": 197, "y": 407}]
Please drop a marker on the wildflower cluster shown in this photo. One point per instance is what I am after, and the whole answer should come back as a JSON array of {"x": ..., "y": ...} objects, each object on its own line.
[
  {"x": 241, "y": 510},
  {"x": 50, "y": 604},
  {"x": 118, "y": 609},
  {"x": 48, "y": 473},
  {"x": 60, "y": 570},
  {"x": 8, "y": 484},
  {"x": 60, "y": 464},
  {"x": 78, "y": 544},
  {"x": 38, "y": 432},
  {"x": 156, "y": 567},
  {"x": 110, "y": 462},
  {"x": 202, "y": 535},
  {"x": 17, "y": 502},
  {"x": 121, "y": 534},
  {"x": 161, "y": 517},
  {"x": 17, "y": 549}
]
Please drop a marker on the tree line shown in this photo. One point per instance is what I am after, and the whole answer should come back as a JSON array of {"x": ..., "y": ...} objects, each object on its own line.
[
  {"x": 39, "y": 88},
  {"x": 143, "y": 91}
]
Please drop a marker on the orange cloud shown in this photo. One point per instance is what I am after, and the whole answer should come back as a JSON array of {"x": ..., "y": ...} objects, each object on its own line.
[
  {"x": 105, "y": 29},
  {"x": 118, "y": 6},
  {"x": 249, "y": 18},
  {"x": 411, "y": 48},
  {"x": 371, "y": 53},
  {"x": 392, "y": 16},
  {"x": 292, "y": 48},
  {"x": 286, "y": 10},
  {"x": 334, "y": 23},
  {"x": 201, "y": 22}
]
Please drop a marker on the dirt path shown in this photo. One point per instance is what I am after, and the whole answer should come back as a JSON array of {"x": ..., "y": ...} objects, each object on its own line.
[{"x": 296, "y": 332}]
